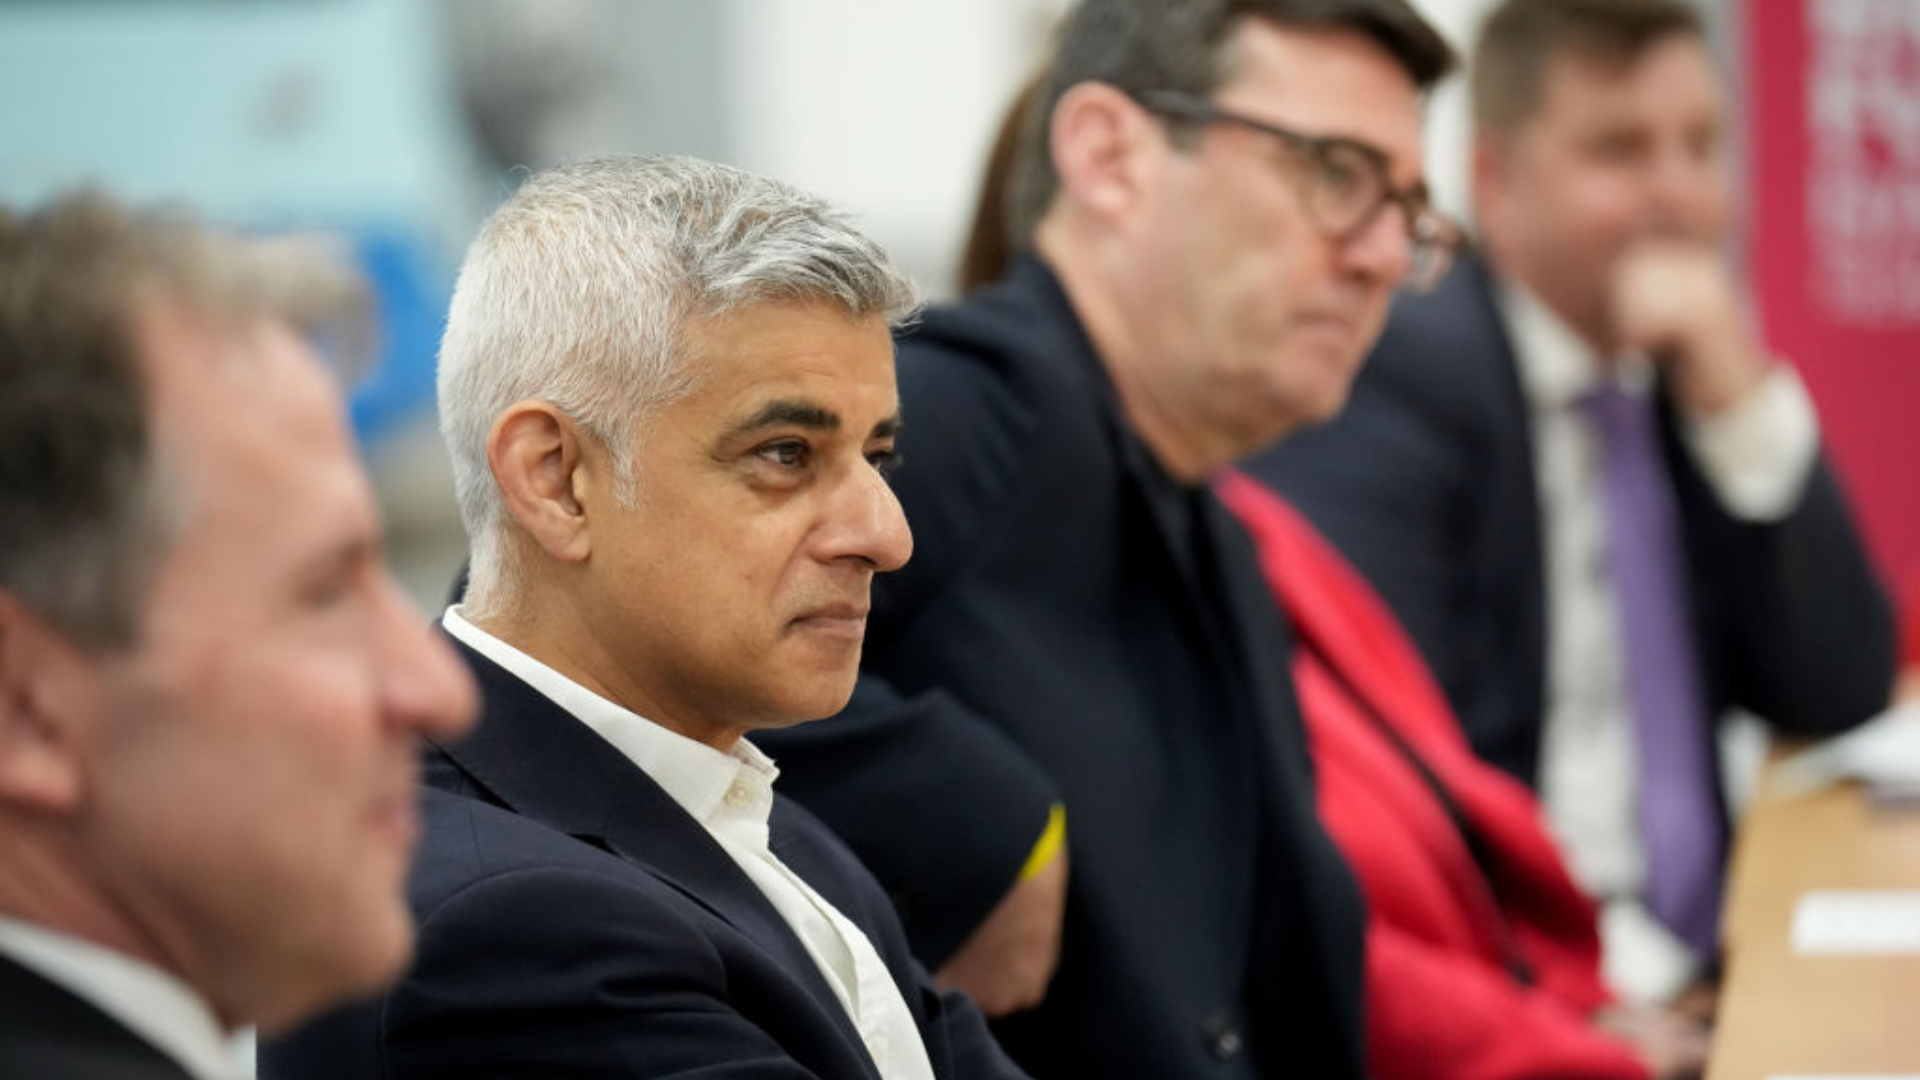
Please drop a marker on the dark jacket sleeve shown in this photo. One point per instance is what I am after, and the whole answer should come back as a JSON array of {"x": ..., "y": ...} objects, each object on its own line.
[
  {"x": 941, "y": 806},
  {"x": 548, "y": 972},
  {"x": 599, "y": 992},
  {"x": 1798, "y": 629},
  {"x": 958, "y": 1044}
]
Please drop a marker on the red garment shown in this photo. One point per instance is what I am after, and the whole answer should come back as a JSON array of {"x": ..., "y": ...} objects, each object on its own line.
[{"x": 1443, "y": 1002}]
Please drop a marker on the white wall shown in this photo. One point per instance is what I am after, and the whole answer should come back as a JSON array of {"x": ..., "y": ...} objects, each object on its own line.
[
  {"x": 889, "y": 108},
  {"x": 1447, "y": 117}
]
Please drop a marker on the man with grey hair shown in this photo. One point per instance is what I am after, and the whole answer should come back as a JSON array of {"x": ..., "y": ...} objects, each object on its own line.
[
  {"x": 209, "y": 687},
  {"x": 668, "y": 390},
  {"x": 1217, "y": 199}
]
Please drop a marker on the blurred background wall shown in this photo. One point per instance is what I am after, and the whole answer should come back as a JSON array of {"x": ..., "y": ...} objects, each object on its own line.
[{"x": 402, "y": 122}]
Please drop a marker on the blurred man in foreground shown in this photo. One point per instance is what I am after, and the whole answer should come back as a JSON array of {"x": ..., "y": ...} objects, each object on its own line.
[{"x": 210, "y": 690}]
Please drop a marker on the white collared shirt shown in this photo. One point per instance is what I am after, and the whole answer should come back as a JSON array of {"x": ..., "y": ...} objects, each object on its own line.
[
  {"x": 163, "y": 1011},
  {"x": 731, "y": 796},
  {"x": 1756, "y": 456}
]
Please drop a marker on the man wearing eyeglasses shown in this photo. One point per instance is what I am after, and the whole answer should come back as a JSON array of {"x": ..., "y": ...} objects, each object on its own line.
[
  {"x": 1076, "y": 695},
  {"x": 1596, "y": 502}
]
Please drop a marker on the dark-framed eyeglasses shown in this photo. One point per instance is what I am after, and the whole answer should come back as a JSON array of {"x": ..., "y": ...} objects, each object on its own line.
[{"x": 1344, "y": 183}]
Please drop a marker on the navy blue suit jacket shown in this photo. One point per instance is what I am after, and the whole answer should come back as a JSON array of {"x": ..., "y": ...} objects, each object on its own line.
[
  {"x": 1075, "y": 623},
  {"x": 576, "y": 922},
  {"x": 1426, "y": 483}
]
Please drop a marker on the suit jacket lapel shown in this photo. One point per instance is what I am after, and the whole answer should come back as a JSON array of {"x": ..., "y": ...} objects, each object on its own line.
[
  {"x": 536, "y": 759},
  {"x": 47, "y": 1028},
  {"x": 1260, "y": 639}
]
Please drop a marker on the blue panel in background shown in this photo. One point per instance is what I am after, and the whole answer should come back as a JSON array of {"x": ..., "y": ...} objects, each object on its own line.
[{"x": 412, "y": 294}]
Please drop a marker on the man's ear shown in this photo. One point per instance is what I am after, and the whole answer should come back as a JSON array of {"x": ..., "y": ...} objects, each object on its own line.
[
  {"x": 1487, "y": 166},
  {"x": 539, "y": 460},
  {"x": 49, "y": 703},
  {"x": 1101, "y": 141}
]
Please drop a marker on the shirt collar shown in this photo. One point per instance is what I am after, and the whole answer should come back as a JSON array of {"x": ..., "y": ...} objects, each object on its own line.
[
  {"x": 165, "y": 1012},
  {"x": 693, "y": 774},
  {"x": 1557, "y": 366}
]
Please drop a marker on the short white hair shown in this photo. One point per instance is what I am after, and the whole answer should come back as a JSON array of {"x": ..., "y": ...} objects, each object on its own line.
[{"x": 579, "y": 289}]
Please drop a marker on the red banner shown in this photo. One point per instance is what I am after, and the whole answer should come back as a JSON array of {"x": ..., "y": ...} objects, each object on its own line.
[{"x": 1834, "y": 132}]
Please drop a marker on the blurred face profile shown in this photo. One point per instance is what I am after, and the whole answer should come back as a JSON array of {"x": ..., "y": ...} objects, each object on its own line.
[
  {"x": 1259, "y": 314},
  {"x": 250, "y": 778},
  {"x": 1607, "y": 158},
  {"x": 733, "y": 593}
]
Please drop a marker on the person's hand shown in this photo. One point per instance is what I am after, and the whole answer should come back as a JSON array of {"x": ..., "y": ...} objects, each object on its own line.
[
  {"x": 1677, "y": 303},
  {"x": 1699, "y": 1002},
  {"x": 1006, "y": 964},
  {"x": 1673, "y": 1048}
]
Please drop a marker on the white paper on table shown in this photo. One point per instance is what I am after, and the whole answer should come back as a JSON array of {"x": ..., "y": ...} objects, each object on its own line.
[
  {"x": 1882, "y": 753},
  {"x": 1867, "y": 922},
  {"x": 1851, "y": 1077}
]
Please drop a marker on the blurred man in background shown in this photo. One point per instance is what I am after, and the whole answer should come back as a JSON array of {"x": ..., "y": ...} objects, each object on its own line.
[
  {"x": 1597, "y": 503},
  {"x": 209, "y": 687},
  {"x": 1074, "y": 698}
]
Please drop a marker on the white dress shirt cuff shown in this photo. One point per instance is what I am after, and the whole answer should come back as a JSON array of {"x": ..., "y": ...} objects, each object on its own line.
[
  {"x": 1641, "y": 960},
  {"x": 1757, "y": 453}
]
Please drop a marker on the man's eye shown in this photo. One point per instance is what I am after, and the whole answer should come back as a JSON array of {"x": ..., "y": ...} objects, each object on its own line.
[
  {"x": 331, "y": 591},
  {"x": 1618, "y": 148},
  {"x": 787, "y": 455},
  {"x": 325, "y": 595},
  {"x": 1703, "y": 145},
  {"x": 884, "y": 461},
  {"x": 1339, "y": 176}
]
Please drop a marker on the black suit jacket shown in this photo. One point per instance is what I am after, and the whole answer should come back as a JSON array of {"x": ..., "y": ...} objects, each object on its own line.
[
  {"x": 1426, "y": 482},
  {"x": 1074, "y": 622},
  {"x": 47, "y": 1032},
  {"x": 575, "y": 921}
]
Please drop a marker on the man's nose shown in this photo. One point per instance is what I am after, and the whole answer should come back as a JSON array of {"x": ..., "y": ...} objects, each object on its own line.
[
  {"x": 868, "y": 523},
  {"x": 424, "y": 687},
  {"x": 1383, "y": 248}
]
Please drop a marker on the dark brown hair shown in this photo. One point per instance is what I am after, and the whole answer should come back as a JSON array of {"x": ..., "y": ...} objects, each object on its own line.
[
  {"x": 1520, "y": 39},
  {"x": 1183, "y": 45},
  {"x": 84, "y": 510}
]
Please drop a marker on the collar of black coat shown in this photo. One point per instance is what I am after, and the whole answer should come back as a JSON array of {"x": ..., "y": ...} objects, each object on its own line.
[
  {"x": 47, "y": 1030},
  {"x": 534, "y": 758}
]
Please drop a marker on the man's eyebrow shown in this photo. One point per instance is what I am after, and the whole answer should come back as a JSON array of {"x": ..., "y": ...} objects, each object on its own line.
[
  {"x": 802, "y": 414},
  {"x": 788, "y": 413},
  {"x": 343, "y": 556}
]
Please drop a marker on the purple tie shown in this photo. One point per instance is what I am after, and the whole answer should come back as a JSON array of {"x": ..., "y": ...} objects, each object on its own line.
[{"x": 1680, "y": 820}]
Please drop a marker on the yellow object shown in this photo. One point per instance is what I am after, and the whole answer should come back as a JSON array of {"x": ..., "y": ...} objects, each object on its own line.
[{"x": 1049, "y": 843}]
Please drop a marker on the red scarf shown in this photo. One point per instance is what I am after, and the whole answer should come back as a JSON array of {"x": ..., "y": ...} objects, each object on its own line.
[{"x": 1444, "y": 927}]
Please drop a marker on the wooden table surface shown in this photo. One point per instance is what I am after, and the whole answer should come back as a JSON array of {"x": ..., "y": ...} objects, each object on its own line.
[{"x": 1786, "y": 1014}]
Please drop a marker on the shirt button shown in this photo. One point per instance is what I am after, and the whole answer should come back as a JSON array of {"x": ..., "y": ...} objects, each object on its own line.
[
  {"x": 1222, "y": 1038},
  {"x": 740, "y": 796}
]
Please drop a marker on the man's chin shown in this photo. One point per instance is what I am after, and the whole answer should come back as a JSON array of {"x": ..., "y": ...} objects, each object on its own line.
[
  {"x": 342, "y": 970},
  {"x": 817, "y": 697},
  {"x": 1329, "y": 406}
]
